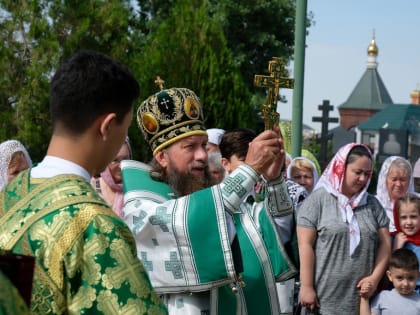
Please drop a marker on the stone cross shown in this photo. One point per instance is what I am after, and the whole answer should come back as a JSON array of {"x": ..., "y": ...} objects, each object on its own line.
[
  {"x": 324, "y": 120},
  {"x": 273, "y": 82}
]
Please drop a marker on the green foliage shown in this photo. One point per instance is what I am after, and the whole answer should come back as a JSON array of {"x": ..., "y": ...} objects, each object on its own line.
[
  {"x": 37, "y": 35},
  {"x": 189, "y": 50},
  {"x": 212, "y": 47},
  {"x": 258, "y": 30}
]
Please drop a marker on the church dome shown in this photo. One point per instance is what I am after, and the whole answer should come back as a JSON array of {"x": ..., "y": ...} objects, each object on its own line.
[{"x": 373, "y": 49}]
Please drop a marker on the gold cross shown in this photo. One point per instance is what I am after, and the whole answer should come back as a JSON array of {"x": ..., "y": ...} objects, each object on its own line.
[
  {"x": 159, "y": 82},
  {"x": 273, "y": 82}
]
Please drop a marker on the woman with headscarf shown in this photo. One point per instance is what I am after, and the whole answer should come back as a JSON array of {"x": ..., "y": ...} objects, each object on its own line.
[
  {"x": 394, "y": 181},
  {"x": 303, "y": 171},
  {"x": 343, "y": 236},
  {"x": 14, "y": 158},
  {"x": 109, "y": 183}
]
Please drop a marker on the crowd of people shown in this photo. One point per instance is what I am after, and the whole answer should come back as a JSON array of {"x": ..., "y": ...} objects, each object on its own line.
[{"x": 218, "y": 222}]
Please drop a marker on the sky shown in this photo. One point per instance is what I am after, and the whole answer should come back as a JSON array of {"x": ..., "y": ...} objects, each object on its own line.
[{"x": 336, "y": 52}]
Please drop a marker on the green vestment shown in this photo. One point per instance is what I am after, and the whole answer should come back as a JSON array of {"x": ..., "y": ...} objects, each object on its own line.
[
  {"x": 86, "y": 260},
  {"x": 184, "y": 243}
]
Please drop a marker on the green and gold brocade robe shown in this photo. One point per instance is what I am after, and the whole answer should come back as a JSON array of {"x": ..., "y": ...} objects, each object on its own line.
[{"x": 86, "y": 260}]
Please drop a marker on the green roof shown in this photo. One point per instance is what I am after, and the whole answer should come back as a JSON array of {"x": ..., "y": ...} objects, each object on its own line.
[
  {"x": 393, "y": 116},
  {"x": 369, "y": 93}
]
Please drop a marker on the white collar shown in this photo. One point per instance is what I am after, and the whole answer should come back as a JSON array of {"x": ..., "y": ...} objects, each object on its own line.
[{"x": 53, "y": 166}]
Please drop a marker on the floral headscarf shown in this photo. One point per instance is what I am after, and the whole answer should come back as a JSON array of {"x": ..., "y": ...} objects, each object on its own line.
[
  {"x": 7, "y": 149},
  {"x": 332, "y": 180},
  {"x": 382, "y": 191}
]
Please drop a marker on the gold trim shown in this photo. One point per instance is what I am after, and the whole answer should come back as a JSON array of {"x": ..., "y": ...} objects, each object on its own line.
[
  {"x": 52, "y": 181},
  {"x": 66, "y": 241},
  {"x": 181, "y": 136},
  {"x": 41, "y": 277},
  {"x": 51, "y": 208},
  {"x": 177, "y": 126},
  {"x": 40, "y": 301}
]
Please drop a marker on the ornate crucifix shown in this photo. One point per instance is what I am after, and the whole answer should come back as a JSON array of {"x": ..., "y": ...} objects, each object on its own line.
[{"x": 273, "y": 82}]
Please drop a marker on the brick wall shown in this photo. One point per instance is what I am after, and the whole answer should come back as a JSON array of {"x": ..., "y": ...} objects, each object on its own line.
[{"x": 352, "y": 117}]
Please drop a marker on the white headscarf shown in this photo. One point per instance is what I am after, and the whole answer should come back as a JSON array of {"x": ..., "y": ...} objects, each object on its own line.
[
  {"x": 382, "y": 193},
  {"x": 215, "y": 135},
  {"x": 332, "y": 180},
  {"x": 416, "y": 169},
  {"x": 7, "y": 149},
  {"x": 314, "y": 170}
]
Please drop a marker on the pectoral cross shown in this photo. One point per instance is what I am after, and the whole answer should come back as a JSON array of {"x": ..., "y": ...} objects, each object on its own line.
[{"x": 273, "y": 82}]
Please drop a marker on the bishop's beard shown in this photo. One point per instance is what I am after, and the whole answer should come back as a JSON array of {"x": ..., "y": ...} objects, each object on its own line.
[
  {"x": 186, "y": 183},
  {"x": 183, "y": 183}
]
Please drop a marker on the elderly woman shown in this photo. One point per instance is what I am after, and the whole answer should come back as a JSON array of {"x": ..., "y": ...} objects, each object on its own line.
[
  {"x": 216, "y": 169},
  {"x": 14, "y": 158},
  {"x": 303, "y": 171},
  {"x": 394, "y": 181},
  {"x": 109, "y": 183}
]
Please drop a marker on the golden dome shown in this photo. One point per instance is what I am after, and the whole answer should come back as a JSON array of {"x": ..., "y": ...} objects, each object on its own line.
[{"x": 373, "y": 49}]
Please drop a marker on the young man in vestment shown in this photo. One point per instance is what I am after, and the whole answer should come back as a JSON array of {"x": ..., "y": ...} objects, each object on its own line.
[
  {"x": 191, "y": 236},
  {"x": 86, "y": 260}
]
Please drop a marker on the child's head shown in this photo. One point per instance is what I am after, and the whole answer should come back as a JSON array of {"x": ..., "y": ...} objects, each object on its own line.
[
  {"x": 234, "y": 147},
  {"x": 403, "y": 270},
  {"x": 408, "y": 208}
]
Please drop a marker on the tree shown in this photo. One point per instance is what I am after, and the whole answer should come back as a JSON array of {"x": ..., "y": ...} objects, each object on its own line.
[
  {"x": 37, "y": 35},
  {"x": 189, "y": 50},
  {"x": 256, "y": 31},
  {"x": 213, "y": 47}
]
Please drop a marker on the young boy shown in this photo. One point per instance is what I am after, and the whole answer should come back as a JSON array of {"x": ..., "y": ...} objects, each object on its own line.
[{"x": 403, "y": 272}]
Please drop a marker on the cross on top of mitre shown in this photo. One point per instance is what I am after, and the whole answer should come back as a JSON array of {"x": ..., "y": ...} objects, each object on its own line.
[
  {"x": 159, "y": 82},
  {"x": 275, "y": 81}
]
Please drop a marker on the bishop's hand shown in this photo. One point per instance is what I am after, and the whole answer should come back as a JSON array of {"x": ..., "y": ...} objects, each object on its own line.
[{"x": 266, "y": 154}]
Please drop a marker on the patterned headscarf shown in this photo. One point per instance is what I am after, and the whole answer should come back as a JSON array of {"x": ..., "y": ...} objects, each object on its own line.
[
  {"x": 332, "y": 180},
  {"x": 297, "y": 193},
  {"x": 7, "y": 149},
  {"x": 382, "y": 193}
]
